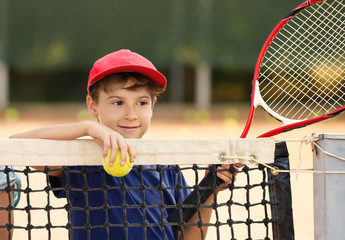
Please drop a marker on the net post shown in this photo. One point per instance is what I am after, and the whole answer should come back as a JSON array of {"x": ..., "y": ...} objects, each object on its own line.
[{"x": 329, "y": 189}]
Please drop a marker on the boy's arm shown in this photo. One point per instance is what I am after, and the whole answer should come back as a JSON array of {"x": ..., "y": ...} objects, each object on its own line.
[
  {"x": 4, "y": 218},
  {"x": 194, "y": 232},
  {"x": 103, "y": 136}
]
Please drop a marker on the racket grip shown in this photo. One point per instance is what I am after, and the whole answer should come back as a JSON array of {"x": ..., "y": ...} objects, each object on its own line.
[{"x": 204, "y": 190}]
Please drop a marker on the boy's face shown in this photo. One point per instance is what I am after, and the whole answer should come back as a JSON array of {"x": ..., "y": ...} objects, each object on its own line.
[{"x": 128, "y": 112}]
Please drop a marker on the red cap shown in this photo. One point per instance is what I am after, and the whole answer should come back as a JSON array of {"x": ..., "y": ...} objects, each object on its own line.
[{"x": 124, "y": 61}]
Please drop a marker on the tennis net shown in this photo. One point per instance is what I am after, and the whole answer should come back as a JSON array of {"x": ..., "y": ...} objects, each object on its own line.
[{"x": 87, "y": 203}]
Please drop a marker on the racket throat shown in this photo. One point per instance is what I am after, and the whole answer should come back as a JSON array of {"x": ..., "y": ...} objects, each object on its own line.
[{"x": 259, "y": 101}]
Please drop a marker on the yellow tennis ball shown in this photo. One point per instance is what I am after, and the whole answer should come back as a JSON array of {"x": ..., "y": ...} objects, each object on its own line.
[{"x": 117, "y": 170}]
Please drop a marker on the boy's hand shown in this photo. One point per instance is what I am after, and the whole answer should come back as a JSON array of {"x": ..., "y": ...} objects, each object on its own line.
[
  {"x": 108, "y": 138},
  {"x": 226, "y": 176}
]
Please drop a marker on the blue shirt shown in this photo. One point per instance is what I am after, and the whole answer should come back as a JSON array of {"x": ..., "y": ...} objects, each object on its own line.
[{"x": 134, "y": 206}]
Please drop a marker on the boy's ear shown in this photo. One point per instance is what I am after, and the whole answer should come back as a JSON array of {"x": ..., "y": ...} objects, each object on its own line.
[
  {"x": 154, "y": 101},
  {"x": 91, "y": 106}
]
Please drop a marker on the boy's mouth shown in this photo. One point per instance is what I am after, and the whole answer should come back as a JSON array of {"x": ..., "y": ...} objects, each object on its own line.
[{"x": 129, "y": 128}]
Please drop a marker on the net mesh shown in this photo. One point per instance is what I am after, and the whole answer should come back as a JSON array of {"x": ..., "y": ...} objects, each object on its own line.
[
  {"x": 241, "y": 211},
  {"x": 302, "y": 75}
]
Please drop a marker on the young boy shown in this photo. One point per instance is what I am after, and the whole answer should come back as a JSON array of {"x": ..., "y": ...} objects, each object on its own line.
[{"x": 122, "y": 90}]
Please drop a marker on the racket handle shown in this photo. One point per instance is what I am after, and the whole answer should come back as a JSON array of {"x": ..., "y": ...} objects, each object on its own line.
[{"x": 204, "y": 190}]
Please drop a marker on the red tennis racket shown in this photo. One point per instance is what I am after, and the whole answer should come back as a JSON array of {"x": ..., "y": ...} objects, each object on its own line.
[
  {"x": 300, "y": 73},
  {"x": 299, "y": 77}
]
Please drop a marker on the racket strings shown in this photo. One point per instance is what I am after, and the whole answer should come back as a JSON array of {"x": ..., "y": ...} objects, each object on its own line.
[
  {"x": 292, "y": 82},
  {"x": 333, "y": 43},
  {"x": 323, "y": 85},
  {"x": 321, "y": 52},
  {"x": 301, "y": 55},
  {"x": 302, "y": 74}
]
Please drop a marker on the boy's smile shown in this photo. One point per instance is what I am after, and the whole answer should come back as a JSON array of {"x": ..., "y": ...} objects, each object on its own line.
[
  {"x": 129, "y": 128},
  {"x": 128, "y": 112}
]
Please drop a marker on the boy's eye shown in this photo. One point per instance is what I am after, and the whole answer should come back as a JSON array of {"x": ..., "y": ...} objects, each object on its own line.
[
  {"x": 117, "y": 103},
  {"x": 142, "y": 103}
]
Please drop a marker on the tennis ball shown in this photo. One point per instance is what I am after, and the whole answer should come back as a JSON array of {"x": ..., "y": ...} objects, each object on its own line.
[{"x": 117, "y": 170}]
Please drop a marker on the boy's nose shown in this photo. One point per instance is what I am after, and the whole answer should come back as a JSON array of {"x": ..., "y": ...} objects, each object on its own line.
[{"x": 131, "y": 114}]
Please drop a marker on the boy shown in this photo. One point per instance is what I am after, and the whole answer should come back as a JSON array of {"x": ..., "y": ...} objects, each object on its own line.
[{"x": 122, "y": 90}]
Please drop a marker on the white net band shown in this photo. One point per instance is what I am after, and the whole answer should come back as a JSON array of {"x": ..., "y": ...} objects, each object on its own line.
[{"x": 38, "y": 152}]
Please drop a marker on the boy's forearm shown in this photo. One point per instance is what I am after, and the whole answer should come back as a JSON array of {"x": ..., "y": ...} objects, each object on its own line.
[
  {"x": 58, "y": 132},
  {"x": 68, "y": 131},
  {"x": 194, "y": 232}
]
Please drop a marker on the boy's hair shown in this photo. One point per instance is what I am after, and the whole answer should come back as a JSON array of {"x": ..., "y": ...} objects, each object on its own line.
[{"x": 122, "y": 78}]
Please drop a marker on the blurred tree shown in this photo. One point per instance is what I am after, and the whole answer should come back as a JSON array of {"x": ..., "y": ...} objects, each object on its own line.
[
  {"x": 4, "y": 79},
  {"x": 54, "y": 43},
  {"x": 177, "y": 89}
]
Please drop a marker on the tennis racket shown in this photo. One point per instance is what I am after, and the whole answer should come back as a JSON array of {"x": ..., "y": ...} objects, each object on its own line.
[{"x": 299, "y": 77}]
